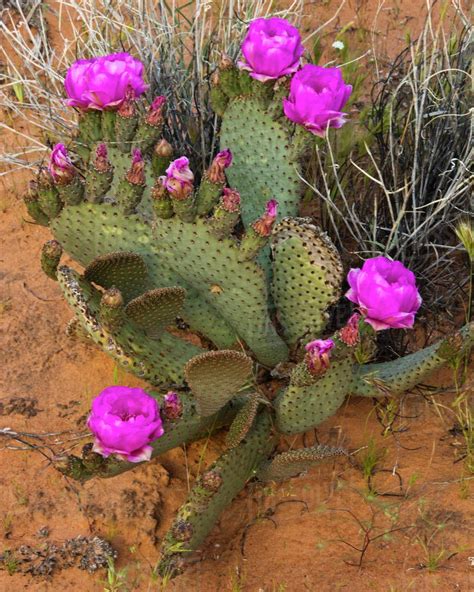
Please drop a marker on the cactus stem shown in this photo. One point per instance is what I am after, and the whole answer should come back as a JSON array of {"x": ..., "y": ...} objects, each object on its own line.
[
  {"x": 90, "y": 126},
  {"x": 50, "y": 256},
  {"x": 111, "y": 313},
  {"x": 32, "y": 205},
  {"x": 48, "y": 196}
]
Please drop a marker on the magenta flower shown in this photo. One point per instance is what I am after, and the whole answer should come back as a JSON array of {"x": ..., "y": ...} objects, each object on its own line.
[
  {"x": 385, "y": 292},
  {"x": 60, "y": 165},
  {"x": 179, "y": 178},
  {"x": 317, "y": 356},
  {"x": 222, "y": 160},
  {"x": 172, "y": 407},
  {"x": 102, "y": 82},
  {"x": 317, "y": 97},
  {"x": 263, "y": 226},
  {"x": 272, "y": 48},
  {"x": 125, "y": 421}
]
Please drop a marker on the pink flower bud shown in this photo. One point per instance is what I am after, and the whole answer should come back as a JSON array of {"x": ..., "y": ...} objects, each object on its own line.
[
  {"x": 350, "y": 333},
  {"x": 101, "y": 162},
  {"x": 155, "y": 115},
  {"x": 127, "y": 108},
  {"x": 60, "y": 165},
  {"x": 230, "y": 200},
  {"x": 317, "y": 356},
  {"x": 179, "y": 179},
  {"x": 172, "y": 407},
  {"x": 221, "y": 161},
  {"x": 136, "y": 173},
  {"x": 263, "y": 226},
  {"x": 125, "y": 421}
]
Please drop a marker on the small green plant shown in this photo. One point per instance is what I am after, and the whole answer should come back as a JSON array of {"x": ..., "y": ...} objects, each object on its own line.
[
  {"x": 116, "y": 579},
  {"x": 10, "y": 563},
  {"x": 369, "y": 460}
]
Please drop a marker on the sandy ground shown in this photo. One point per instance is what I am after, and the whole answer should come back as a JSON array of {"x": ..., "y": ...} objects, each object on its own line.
[{"x": 306, "y": 534}]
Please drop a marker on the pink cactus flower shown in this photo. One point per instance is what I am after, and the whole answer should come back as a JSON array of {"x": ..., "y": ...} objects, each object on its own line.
[
  {"x": 317, "y": 97},
  {"x": 272, "y": 48},
  {"x": 125, "y": 421},
  {"x": 385, "y": 292},
  {"x": 102, "y": 82}
]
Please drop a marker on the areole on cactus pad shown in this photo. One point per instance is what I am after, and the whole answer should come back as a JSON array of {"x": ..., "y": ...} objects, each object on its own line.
[{"x": 230, "y": 259}]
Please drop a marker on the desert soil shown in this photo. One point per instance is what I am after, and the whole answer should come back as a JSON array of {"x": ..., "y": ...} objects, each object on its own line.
[{"x": 305, "y": 534}]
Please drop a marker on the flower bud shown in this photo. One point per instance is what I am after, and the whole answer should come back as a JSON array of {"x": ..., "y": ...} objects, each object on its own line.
[
  {"x": 172, "y": 407},
  {"x": 164, "y": 149},
  {"x": 60, "y": 165},
  {"x": 155, "y": 116},
  {"x": 263, "y": 226},
  {"x": 179, "y": 179},
  {"x": 317, "y": 356},
  {"x": 350, "y": 333},
  {"x": 230, "y": 200},
  {"x": 136, "y": 173},
  {"x": 128, "y": 108},
  {"x": 101, "y": 161},
  {"x": 222, "y": 160}
]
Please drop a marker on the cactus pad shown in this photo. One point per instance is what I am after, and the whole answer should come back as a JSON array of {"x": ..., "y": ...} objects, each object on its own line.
[
  {"x": 154, "y": 310},
  {"x": 160, "y": 361},
  {"x": 236, "y": 290},
  {"x": 294, "y": 462},
  {"x": 263, "y": 167},
  {"x": 215, "y": 377},
  {"x": 88, "y": 231},
  {"x": 124, "y": 271},
  {"x": 243, "y": 421},
  {"x": 300, "y": 408},
  {"x": 200, "y": 512},
  {"x": 398, "y": 376},
  {"x": 307, "y": 274}
]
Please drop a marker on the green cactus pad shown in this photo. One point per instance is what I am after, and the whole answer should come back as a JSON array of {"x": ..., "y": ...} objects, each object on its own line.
[
  {"x": 91, "y": 230},
  {"x": 398, "y": 376},
  {"x": 301, "y": 408},
  {"x": 215, "y": 377},
  {"x": 156, "y": 309},
  {"x": 307, "y": 274},
  {"x": 294, "y": 462},
  {"x": 160, "y": 361},
  {"x": 124, "y": 271},
  {"x": 262, "y": 166},
  {"x": 204, "y": 504},
  {"x": 243, "y": 421},
  {"x": 236, "y": 290}
]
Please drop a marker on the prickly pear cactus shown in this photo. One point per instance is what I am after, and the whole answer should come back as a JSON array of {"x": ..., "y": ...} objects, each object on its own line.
[{"x": 247, "y": 277}]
